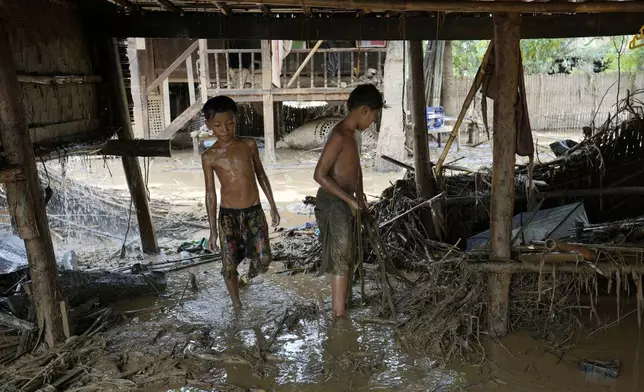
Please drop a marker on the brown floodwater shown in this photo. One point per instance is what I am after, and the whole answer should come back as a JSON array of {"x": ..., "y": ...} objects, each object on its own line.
[{"x": 311, "y": 355}]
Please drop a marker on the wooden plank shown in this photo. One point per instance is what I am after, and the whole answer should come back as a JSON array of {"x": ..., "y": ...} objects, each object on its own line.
[
  {"x": 164, "y": 75},
  {"x": 342, "y": 27},
  {"x": 167, "y": 118},
  {"x": 191, "y": 80},
  {"x": 268, "y": 107},
  {"x": 68, "y": 326},
  {"x": 204, "y": 73},
  {"x": 180, "y": 121}
]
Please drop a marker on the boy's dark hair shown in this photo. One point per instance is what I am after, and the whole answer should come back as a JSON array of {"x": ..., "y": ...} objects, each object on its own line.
[
  {"x": 220, "y": 104},
  {"x": 365, "y": 95}
]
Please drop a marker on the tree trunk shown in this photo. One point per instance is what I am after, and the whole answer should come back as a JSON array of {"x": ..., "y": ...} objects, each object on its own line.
[
  {"x": 448, "y": 91},
  {"x": 391, "y": 139}
]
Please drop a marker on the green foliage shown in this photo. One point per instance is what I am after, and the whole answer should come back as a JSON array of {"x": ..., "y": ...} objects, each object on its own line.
[{"x": 540, "y": 55}]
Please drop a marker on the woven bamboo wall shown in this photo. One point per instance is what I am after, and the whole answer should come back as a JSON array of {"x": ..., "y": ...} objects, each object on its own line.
[
  {"x": 561, "y": 104},
  {"x": 47, "y": 39}
]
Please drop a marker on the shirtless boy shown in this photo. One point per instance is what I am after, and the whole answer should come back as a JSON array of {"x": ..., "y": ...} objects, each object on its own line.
[
  {"x": 341, "y": 191},
  {"x": 242, "y": 229}
]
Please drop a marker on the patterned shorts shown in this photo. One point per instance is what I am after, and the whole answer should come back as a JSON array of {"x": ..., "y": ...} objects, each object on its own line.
[{"x": 244, "y": 233}]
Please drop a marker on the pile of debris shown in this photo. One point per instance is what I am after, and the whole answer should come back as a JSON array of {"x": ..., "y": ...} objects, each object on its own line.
[{"x": 76, "y": 209}]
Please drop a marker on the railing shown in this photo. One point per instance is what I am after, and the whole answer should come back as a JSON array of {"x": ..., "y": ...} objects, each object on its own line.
[{"x": 325, "y": 74}]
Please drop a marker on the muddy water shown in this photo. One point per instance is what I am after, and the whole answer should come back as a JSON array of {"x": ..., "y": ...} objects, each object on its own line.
[
  {"x": 363, "y": 355},
  {"x": 312, "y": 356}
]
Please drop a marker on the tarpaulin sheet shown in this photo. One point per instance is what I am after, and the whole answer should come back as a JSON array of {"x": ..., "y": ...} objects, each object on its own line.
[{"x": 555, "y": 223}]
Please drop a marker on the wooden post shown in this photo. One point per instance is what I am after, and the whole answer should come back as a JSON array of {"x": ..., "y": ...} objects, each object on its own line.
[
  {"x": 25, "y": 199},
  {"x": 421, "y": 147},
  {"x": 113, "y": 75},
  {"x": 204, "y": 74},
  {"x": 422, "y": 170},
  {"x": 267, "y": 99},
  {"x": 506, "y": 65}
]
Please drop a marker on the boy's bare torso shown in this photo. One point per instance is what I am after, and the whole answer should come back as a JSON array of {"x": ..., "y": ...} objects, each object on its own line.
[
  {"x": 346, "y": 168},
  {"x": 235, "y": 168}
]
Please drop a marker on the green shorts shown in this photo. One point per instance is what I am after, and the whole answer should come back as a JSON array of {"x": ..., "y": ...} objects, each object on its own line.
[{"x": 336, "y": 225}]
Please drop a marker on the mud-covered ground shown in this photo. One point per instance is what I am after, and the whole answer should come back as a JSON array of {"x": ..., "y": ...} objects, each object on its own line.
[{"x": 190, "y": 339}]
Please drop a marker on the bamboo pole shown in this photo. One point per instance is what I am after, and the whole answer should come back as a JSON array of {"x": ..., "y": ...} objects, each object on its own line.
[
  {"x": 306, "y": 60},
  {"x": 476, "y": 84},
  {"x": 464, "y": 6},
  {"x": 25, "y": 198}
]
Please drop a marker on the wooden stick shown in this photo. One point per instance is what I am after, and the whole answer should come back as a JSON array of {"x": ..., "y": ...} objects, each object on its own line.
[
  {"x": 424, "y": 203},
  {"x": 306, "y": 60},
  {"x": 476, "y": 84},
  {"x": 396, "y": 162}
]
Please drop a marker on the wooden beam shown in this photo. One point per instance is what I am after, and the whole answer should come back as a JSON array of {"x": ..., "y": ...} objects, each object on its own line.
[
  {"x": 59, "y": 80},
  {"x": 25, "y": 198},
  {"x": 137, "y": 148},
  {"x": 506, "y": 267},
  {"x": 267, "y": 101},
  {"x": 113, "y": 75},
  {"x": 180, "y": 60},
  {"x": 169, "y": 6},
  {"x": 180, "y": 121},
  {"x": 463, "y": 6},
  {"x": 343, "y": 27}
]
